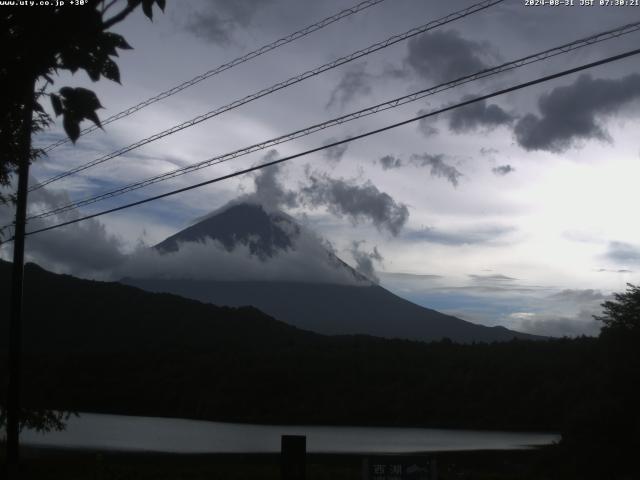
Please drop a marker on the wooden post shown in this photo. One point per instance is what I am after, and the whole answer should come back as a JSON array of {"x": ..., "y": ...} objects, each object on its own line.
[
  {"x": 15, "y": 319},
  {"x": 293, "y": 459},
  {"x": 365, "y": 468}
]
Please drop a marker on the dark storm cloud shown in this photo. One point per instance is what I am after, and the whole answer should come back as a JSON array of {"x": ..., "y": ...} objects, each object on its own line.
[
  {"x": 389, "y": 162},
  {"x": 83, "y": 249},
  {"x": 623, "y": 253},
  {"x": 478, "y": 116},
  {"x": 410, "y": 276},
  {"x": 425, "y": 125},
  {"x": 480, "y": 235},
  {"x": 445, "y": 55},
  {"x": 569, "y": 313},
  {"x": 426, "y": 129},
  {"x": 575, "y": 112},
  {"x": 355, "y": 82},
  {"x": 503, "y": 170},
  {"x": 306, "y": 261},
  {"x": 365, "y": 260},
  {"x": 560, "y": 326},
  {"x": 480, "y": 288},
  {"x": 496, "y": 277},
  {"x": 439, "y": 168},
  {"x": 334, "y": 154},
  {"x": 357, "y": 202},
  {"x": 269, "y": 190},
  {"x": 580, "y": 296},
  {"x": 217, "y": 20},
  {"x": 488, "y": 151}
]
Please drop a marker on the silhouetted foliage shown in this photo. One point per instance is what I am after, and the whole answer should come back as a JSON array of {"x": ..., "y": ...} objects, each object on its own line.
[
  {"x": 39, "y": 42},
  {"x": 112, "y": 348},
  {"x": 622, "y": 315},
  {"x": 602, "y": 434},
  {"x": 35, "y": 44},
  {"x": 40, "y": 420}
]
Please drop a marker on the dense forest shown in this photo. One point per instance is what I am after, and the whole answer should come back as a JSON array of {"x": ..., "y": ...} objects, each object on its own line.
[
  {"x": 106, "y": 347},
  {"x": 354, "y": 380}
]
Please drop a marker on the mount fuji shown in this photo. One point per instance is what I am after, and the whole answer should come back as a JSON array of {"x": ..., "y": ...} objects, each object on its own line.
[{"x": 245, "y": 254}]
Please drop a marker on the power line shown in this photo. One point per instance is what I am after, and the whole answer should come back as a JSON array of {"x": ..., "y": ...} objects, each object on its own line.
[
  {"x": 278, "y": 86},
  {"x": 352, "y": 116},
  {"x": 351, "y": 139},
  {"x": 226, "y": 66},
  {"x": 614, "y": 33}
]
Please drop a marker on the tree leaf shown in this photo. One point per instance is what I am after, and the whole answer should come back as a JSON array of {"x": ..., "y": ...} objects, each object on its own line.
[
  {"x": 79, "y": 103},
  {"x": 107, "y": 46},
  {"x": 93, "y": 70},
  {"x": 37, "y": 107},
  {"x": 147, "y": 8},
  {"x": 118, "y": 41},
  {"x": 80, "y": 99},
  {"x": 93, "y": 116},
  {"x": 161, "y": 4},
  {"x": 66, "y": 92},
  {"x": 69, "y": 59},
  {"x": 110, "y": 70},
  {"x": 71, "y": 126}
]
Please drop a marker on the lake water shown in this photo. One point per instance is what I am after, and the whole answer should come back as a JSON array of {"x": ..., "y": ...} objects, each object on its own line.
[{"x": 115, "y": 432}]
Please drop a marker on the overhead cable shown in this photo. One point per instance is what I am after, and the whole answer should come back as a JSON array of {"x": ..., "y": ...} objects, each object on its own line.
[
  {"x": 274, "y": 88},
  {"x": 346, "y": 140},
  {"x": 226, "y": 66},
  {"x": 394, "y": 103}
]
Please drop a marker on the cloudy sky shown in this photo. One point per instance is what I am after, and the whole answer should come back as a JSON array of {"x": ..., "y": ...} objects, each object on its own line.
[{"x": 518, "y": 211}]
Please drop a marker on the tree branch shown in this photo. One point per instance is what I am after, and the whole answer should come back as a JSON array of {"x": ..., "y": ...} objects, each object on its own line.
[
  {"x": 108, "y": 6},
  {"x": 119, "y": 17}
]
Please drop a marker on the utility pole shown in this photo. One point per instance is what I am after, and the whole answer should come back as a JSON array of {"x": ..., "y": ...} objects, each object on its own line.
[{"x": 15, "y": 319}]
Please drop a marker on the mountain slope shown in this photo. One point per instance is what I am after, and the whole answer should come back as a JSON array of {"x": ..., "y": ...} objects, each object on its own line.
[
  {"x": 105, "y": 347},
  {"x": 353, "y": 305},
  {"x": 264, "y": 234},
  {"x": 71, "y": 315},
  {"x": 335, "y": 309}
]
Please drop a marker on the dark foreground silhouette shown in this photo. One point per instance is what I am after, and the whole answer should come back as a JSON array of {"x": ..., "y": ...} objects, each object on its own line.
[{"x": 106, "y": 347}]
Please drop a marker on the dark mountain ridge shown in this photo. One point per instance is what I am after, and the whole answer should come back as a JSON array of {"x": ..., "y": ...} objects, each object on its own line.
[
  {"x": 71, "y": 315},
  {"x": 111, "y": 348},
  {"x": 335, "y": 309},
  {"x": 359, "y": 307}
]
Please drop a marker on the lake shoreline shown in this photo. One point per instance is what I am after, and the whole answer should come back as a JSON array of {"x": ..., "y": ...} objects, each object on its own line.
[
  {"x": 49, "y": 463},
  {"x": 284, "y": 423},
  {"x": 171, "y": 435}
]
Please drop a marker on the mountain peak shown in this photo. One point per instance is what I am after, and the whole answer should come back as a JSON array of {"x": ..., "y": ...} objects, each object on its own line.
[
  {"x": 265, "y": 233},
  {"x": 248, "y": 241},
  {"x": 246, "y": 254}
]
